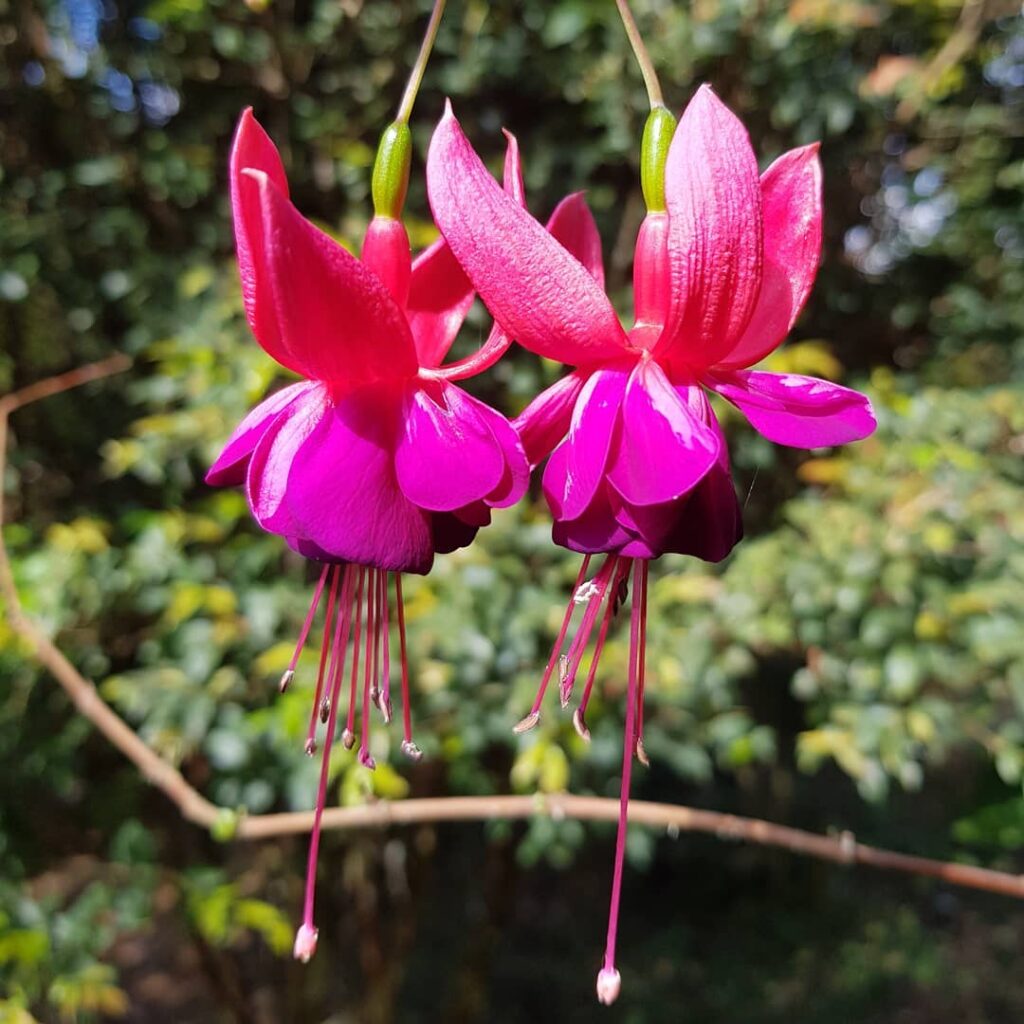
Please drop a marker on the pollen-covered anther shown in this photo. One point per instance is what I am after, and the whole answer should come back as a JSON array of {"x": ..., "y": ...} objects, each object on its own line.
[
  {"x": 609, "y": 984},
  {"x": 580, "y": 725},
  {"x": 286, "y": 679},
  {"x": 305, "y": 943},
  {"x": 527, "y": 723},
  {"x": 411, "y": 751},
  {"x": 641, "y": 754},
  {"x": 348, "y": 739},
  {"x": 585, "y": 592}
]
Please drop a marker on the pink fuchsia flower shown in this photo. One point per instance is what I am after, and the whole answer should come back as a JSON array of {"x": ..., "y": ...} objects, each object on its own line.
[
  {"x": 376, "y": 459},
  {"x": 638, "y": 464}
]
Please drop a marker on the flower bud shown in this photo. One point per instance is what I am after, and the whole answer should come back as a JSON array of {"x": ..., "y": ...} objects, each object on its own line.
[
  {"x": 657, "y": 138},
  {"x": 391, "y": 170}
]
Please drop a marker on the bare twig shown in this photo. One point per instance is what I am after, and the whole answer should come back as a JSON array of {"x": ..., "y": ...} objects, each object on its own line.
[{"x": 840, "y": 849}]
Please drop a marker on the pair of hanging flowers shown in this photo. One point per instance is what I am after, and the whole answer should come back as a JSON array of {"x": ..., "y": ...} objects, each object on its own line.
[{"x": 377, "y": 459}]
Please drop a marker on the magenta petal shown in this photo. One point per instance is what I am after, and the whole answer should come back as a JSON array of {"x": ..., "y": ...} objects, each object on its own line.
[
  {"x": 791, "y": 197},
  {"x": 572, "y": 224},
  {"x": 230, "y": 467},
  {"x": 446, "y": 455},
  {"x": 710, "y": 521},
  {"x": 335, "y": 317},
  {"x": 802, "y": 412},
  {"x": 439, "y": 299},
  {"x": 576, "y": 468},
  {"x": 537, "y": 291},
  {"x": 664, "y": 450},
  {"x": 270, "y": 466},
  {"x": 516, "y": 475},
  {"x": 713, "y": 196},
  {"x": 595, "y": 530},
  {"x": 449, "y": 532},
  {"x": 545, "y": 421},
  {"x": 342, "y": 491}
]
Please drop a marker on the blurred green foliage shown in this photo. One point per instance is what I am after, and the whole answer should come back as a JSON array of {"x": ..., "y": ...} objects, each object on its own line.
[{"x": 858, "y": 661}]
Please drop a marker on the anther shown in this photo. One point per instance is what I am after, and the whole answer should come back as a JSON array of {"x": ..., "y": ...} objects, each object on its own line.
[
  {"x": 527, "y": 723},
  {"x": 348, "y": 739},
  {"x": 586, "y": 592},
  {"x": 366, "y": 760},
  {"x": 641, "y": 754},
  {"x": 286, "y": 678},
  {"x": 310, "y": 747},
  {"x": 325, "y": 710},
  {"x": 580, "y": 725},
  {"x": 411, "y": 751}
]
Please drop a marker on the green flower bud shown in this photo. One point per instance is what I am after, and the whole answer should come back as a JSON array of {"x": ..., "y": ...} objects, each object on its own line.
[
  {"x": 658, "y": 132},
  {"x": 391, "y": 170}
]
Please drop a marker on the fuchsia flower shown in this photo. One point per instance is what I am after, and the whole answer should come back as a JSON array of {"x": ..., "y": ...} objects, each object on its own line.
[
  {"x": 638, "y": 464},
  {"x": 376, "y": 459}
]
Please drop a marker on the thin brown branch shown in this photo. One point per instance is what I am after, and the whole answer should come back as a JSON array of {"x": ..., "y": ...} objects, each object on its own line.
[{"x": 840, "y": 849}]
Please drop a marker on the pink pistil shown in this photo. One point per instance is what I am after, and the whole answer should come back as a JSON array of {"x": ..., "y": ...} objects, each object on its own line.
[
  {"x": 289, "y": 672},
  {"x": 534, "y": 716},
  {"x": 608, "y": 981},
  {"x": 348, "y": 737},
  {"x": 409, "y": 748},
  {"x": 305, "y": 940}
]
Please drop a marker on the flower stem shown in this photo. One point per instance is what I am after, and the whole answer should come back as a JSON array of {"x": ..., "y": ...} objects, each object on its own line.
[
  {"x": 643, "y": 58},
  {"x": 416, "y": 75}
]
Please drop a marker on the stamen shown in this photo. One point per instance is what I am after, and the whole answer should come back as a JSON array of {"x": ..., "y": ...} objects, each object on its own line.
[
  {"x": 641, "y": 751},
  {"x": 325, "y": 649},
  {"x": 369, "y": 671},
  {"x": 305, "y": 939},
  {"x": 385, "y": 669},
  {"x": 348, "y": 736},
  {"x": 556, "y": 658},
  {"x": 408, "y": 747},
  {"x": 289, "y": 672},
  {"x": 611, "y": 607},
  {"x": 373, "y": 614},
  {"x": 608, "y": 980},
  {"x": 582, "y": 637}
]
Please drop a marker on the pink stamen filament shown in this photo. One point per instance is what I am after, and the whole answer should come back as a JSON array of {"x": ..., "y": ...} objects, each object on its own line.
[
  {"x": 385, "y": 671},
  {"x": 582, "y": 637},
  {"x": 579, "y": 718},
  {"x": 306, "y": 626},
  {"x": 348, "y": 736},
  {"x": 641, "y": 753},
  {"x": 409, "y": 748},
  {"x": 325, "y": 649},
  {"x": 627, "y": 764},
  {"x": 531, "y": 719},
  {"x": 369, "y": 670},
  {"x": 337, "y": 673}
]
